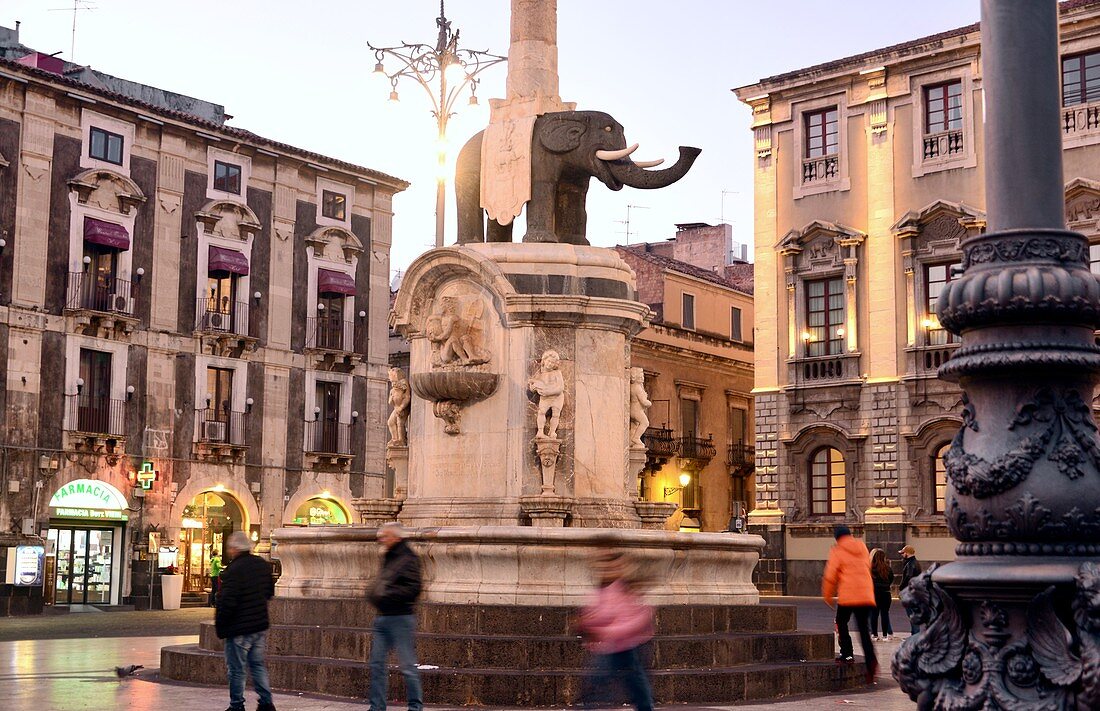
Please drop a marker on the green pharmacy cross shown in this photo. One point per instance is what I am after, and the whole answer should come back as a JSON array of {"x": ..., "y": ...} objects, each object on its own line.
[{"x": 147, "y": 475}]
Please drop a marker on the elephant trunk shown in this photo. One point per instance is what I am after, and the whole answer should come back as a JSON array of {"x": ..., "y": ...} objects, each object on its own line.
[{"x": 633, "y": 175}]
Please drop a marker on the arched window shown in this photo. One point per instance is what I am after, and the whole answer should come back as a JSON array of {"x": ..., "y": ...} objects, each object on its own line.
[
  {"x": 939, "y": 478},
  {"x": 828, "y": 482}
]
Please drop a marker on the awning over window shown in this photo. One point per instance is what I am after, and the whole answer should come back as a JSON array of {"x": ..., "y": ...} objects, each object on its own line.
[
  {"x": 107, "y": 234},
  {"x": 227, "y": 260},
  {"x": 330, "y": 282}
]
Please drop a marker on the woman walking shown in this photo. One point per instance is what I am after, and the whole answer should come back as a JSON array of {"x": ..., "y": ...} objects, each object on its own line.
[
  {"x": 882, "y": 577},
  {"x": 615, "y": 625}
]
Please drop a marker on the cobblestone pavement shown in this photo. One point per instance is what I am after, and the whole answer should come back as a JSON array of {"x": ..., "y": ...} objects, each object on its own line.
[{"x": 78, "y": 673}]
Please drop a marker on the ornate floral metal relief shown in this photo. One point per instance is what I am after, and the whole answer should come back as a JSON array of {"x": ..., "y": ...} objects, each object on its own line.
[
  {"x": 1049, "y": 667},
  {"x": 1066, "y": 435},
  {"x": 1063, "y": 249}
]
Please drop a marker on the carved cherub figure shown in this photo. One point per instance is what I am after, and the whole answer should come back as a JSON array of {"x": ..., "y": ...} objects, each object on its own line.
[
  {"x": 400, "y": 400},
  {"x": 639, "y": 401},
  {"x": 444, "y": 330},
  {"x": 550, "y": 387}
]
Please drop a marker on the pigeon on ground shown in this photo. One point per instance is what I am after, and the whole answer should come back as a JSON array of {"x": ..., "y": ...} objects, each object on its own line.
[{"x": 127, "y": 670}]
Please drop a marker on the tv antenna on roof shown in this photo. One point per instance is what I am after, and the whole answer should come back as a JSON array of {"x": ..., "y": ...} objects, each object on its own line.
[
  {"x": 724, "y": 194},
  {"x": 77, "y": 6},
  {"x": 627, "y": 220}
]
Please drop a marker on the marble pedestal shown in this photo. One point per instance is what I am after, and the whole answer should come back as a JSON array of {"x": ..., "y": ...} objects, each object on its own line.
[{"x": 479, "y": 318}]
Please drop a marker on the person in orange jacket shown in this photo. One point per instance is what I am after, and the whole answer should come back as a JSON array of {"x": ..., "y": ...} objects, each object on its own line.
[{"x": 847, "y": 580}]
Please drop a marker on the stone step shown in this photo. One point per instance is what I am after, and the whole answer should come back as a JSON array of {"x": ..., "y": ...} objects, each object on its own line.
[
  {"x": 563, "y": 652},
  {"x": 536, "y": 621},
  {"x": 542, "y": 687}
]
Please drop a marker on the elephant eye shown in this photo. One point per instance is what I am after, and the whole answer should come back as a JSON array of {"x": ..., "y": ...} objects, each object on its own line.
[{"x": 607, "y": 128}]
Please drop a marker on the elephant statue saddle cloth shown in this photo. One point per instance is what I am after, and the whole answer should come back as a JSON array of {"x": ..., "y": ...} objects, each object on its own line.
[{"x": 506, "y": 167}]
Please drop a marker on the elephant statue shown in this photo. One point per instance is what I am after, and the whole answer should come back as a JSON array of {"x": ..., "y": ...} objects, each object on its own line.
[{"x": 568, "y": 148}]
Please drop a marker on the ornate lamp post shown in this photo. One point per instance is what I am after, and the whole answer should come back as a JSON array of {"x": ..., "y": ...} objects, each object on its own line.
[
  {"x": 1014, "y": 623},
  {"x": 443, "y": 71}
]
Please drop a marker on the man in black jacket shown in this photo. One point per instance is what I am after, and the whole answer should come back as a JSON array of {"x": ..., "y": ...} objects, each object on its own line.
[
  {"x": 241, "y": 620},
  {"x": 394, "y": 596},
  {"x": 910, "y": 569}
]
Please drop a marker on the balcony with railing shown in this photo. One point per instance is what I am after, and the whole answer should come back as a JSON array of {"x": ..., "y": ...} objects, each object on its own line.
[
  {"x": 660, "y": 446},
  {"x": 221, "y": 433},
  {"x": 741, "y": 458},
  {"x": 100, "y": 307},
  {"x": 820, "y": 170},
  {"x": 823, "y": 370},
  {"x": 1081, "y": 122},
  {"x": 331, "y": 337},
  {"x": 698, "y": 449},
  {"x": 925, "y": 361},
  {"x": 328, "y": 442},
  {"x": 96, "y": 424},
  {"x": 223, "y": 327},
  {"x": 943, "y": 145}
]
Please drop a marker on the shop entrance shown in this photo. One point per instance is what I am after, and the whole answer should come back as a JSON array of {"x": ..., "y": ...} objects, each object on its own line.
[
  {"x": 207, "y": 522},
  {"x": 320, "y": 511},
  {"x": 84, "y": 564}
]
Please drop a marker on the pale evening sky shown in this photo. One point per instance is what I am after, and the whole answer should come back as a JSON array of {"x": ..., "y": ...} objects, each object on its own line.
[{"x": 299, "y": 73}]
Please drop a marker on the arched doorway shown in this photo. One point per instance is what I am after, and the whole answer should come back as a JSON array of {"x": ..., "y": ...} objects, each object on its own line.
[
  {"x": 206, "y": 524},
  {"x": 320, "y": 511}
]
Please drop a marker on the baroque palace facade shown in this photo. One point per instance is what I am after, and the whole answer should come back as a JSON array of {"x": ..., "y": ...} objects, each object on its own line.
[
  {"x": 194, "y": 322},
  {"x": 868, "y": 172}
]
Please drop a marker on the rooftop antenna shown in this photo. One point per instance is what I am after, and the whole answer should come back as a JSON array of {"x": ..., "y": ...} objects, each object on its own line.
[
  {"x": 627, "y": 220},
  {"x": 77, "y": 6},
  {"x": 724, "y": 194}
]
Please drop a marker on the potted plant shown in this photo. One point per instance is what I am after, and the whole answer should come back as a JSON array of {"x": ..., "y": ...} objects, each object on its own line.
[{"x": 171, "y": 588}]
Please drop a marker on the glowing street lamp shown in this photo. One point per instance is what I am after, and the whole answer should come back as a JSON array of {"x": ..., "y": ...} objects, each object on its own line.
[{"x": 443, "y": 71}]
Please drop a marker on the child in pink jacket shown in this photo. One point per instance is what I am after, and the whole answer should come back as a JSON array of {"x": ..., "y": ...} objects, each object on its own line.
[{"x": 615, "y": 624}]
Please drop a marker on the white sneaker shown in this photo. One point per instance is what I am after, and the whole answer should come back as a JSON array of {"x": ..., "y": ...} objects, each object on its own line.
[{"x": 888, "y": 638}]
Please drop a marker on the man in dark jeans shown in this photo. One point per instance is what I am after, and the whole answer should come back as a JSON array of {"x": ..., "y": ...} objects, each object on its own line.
[
  {"x": 394, "y": 596},
  {"x": 241, "y": 620},
  {"x": 910, "y": 569}
]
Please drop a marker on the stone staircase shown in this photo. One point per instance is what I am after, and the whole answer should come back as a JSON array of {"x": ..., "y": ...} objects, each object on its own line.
[{"x": 525, "y": 656}]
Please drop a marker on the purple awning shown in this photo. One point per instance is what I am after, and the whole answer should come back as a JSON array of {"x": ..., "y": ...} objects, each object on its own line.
[
  {"x": 330, "y": 282},
  {"x": 227, "y": 260},
  {"x": 107, "y": 234}
]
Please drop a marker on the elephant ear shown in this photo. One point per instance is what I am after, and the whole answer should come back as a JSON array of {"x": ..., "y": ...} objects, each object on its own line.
[{"x": 561, "y": 135}]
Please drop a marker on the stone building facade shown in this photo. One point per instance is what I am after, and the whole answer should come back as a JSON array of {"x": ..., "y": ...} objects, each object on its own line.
[
  {"x": 696, "y": 354},
  {"x": 194, "y": 322},
  {"x": 868, "y": 171}
]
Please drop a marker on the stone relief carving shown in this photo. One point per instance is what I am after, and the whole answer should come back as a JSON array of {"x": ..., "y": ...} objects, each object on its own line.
[
  {"x": 549, "y": 385},
  {"x": 457, "y": 332},
  {"x": 335, "y": 244},
  {"x": 639, "y": 403},
  {"x": 456, "y": 329},
  {"x": 107, "y": 190},
  {"x": 400, "y": 401},
  {"x": 1052, "y": 667},
  {"x": 228, "y": 219}
]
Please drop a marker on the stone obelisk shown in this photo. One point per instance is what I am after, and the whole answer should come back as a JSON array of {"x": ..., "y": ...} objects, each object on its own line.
[{"x": 532, "y": 90}]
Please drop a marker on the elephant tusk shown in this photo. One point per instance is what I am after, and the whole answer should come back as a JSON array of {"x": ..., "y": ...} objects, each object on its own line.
[
  {"x": 616, "y": 155},
  {"x": 649, "y": 163}
]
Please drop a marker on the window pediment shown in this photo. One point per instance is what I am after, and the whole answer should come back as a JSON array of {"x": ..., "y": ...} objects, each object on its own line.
[
  {"x": 1082, "y": 204},
  {"x": 229, "y": 219},
  {"x": 336, "y": 244},
  {"x": 820, "y": 247},
  {"x": 107, "y": 190},
  {"x": 936, "y": 230}
]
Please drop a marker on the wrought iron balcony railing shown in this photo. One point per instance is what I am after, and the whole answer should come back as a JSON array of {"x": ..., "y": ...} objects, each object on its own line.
[
  {"x": 698, "y": 448},
  {"x": 223, "y": 316},
  {"x": 91, "y": 292},
  {"x": 95, "y": 415},
  {"x": 328, "y": 437},
  {"x": 221, "y": 426},
  {"x": 741, "y": 455},
  {"x": 331, "y": 333},
  {"x": 659, "y": 442}
]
